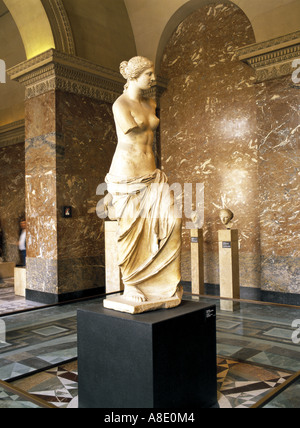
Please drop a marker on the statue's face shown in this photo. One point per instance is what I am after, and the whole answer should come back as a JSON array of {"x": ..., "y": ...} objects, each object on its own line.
[
  {"x": 226, "y": 217},
  {"x": 146, "y": 79}
]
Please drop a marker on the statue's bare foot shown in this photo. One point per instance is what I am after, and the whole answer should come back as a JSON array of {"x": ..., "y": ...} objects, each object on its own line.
[{"x": 134, "y": 294}]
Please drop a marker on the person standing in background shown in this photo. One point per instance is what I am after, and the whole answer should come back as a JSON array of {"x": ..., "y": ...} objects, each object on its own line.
[
  {"x": 1, "y": 244},
  {"x": 22, "y": 242}
]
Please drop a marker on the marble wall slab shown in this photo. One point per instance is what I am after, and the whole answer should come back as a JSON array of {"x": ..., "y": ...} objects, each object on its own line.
[
  {"x": 278, "y": 104},
  {"x": 12, "y": 198},
  {"x": 87, "y": 142},
  {"x": 208, "y": 121},
  {"x": 241, "y": 139}
]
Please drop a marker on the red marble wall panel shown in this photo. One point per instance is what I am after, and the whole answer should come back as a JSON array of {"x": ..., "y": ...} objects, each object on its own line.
[
  {"x": 279, "y": 171},
  {"x": 241, "y": 139},
  {"x": 208, "y": 122},
  {"x": 12, "y": 198}
]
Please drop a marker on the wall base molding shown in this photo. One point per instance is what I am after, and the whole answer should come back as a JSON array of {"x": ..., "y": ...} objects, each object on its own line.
[
  {"x": 256, "y": 294},
  {"x": 52, "y": 299}
]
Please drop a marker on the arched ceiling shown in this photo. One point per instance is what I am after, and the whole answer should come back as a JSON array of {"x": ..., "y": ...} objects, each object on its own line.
[
  {"x": 102, "y": 31},
  {"x": 33, "y": 25},
  {"x": 12, "y": 52},
  {"x": 99, "y": 31}
]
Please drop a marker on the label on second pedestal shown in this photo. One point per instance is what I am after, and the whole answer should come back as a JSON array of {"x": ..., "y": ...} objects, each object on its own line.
[
  {"x": 195, "y": 240},
  {"x": 226, "y": 244}
]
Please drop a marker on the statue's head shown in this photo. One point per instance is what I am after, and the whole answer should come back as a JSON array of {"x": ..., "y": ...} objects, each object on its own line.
[
  {"x": 135, "y": 68},
  {"x": 226, "y": 216}
]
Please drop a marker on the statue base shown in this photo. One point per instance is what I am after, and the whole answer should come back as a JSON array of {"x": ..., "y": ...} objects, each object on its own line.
[
  {"x": 160, "y": 360},
  {"x": 121, "y": 304}
]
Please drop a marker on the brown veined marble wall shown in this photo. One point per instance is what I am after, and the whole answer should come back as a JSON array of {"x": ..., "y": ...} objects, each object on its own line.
[
  {"x": 278, "y": 104},
  {"x": 70, "y": 141},
  {"x": 87, "y": 141},
  {"x": 209, "y": 124},
  {"x": 239, "y": 138},
  {"x": 12, "y": 198}
]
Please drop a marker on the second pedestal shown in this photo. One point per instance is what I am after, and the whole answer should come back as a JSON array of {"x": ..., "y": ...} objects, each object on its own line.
[{"x": 229, "y": 268}]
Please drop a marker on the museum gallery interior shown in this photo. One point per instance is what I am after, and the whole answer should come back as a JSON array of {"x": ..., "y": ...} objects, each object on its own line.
[{"x": 149, "y": 205}]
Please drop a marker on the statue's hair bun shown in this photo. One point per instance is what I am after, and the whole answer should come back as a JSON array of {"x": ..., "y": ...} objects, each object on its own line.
[{"x": 124, "y": 69}]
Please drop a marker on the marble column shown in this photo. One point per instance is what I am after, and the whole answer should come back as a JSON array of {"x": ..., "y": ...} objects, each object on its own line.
[
  {"x": 70, "y": 140},
  {"x": 41, "y": 195}
]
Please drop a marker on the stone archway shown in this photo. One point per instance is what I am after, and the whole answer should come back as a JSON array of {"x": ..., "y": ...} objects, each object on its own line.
[
  {"x": 154, "y": 21},
  {"x": 179, "y": 16}
]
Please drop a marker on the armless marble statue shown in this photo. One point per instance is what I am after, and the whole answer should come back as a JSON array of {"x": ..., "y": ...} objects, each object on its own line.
[{"x": 149, "y": 232}]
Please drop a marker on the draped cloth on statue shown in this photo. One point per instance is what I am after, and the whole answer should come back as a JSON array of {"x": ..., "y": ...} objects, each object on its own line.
[{"x": 149, "y": 233}]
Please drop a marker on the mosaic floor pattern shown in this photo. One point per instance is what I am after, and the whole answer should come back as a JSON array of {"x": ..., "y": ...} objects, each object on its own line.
[
  {"x": 240, "y": 385},
  {"x": 13, "y": 401},
  {"x": 255, "y": 343},
  {"x": 9, "y": 302}
]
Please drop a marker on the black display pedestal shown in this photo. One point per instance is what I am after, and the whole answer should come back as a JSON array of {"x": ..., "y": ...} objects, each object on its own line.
[{"x": 162, "y": 359}]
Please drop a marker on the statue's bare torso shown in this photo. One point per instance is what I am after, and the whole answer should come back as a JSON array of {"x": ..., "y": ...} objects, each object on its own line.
[{"x": 136, "y": 123}]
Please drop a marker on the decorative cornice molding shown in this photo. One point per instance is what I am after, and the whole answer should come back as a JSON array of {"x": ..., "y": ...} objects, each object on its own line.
[
  {"x": 272, "y": 59},
  {"x": 54, "y": 70},
  {"x": 12, "y": 134}
]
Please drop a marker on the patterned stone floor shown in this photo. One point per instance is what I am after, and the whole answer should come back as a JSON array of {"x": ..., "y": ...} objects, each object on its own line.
[
  {"x": 255, "y": 347},
  {"x": 240, "y": 385},
  {"x": 11, "y": 400},
  {"x": 284, "y": 400},
  {"x": 9, "y": 302}
]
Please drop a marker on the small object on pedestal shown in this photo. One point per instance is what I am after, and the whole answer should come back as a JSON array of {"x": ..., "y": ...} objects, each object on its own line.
[{"x": 226, "y": 217}]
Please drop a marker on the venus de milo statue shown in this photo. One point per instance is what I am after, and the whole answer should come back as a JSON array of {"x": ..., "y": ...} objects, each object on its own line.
[{"x": 149, "y": 232}]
